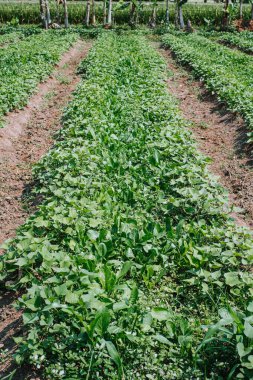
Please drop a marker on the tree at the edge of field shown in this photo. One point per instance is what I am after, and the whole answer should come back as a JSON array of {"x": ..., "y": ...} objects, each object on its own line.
[
  {"x": 152, "y": 21},
  {"x": 179, "y": 18},
  {"x": 93, "y": 13},
  {"x": 167, "y": 13},
  {"x": 226, "y": 11},
  {"x": 66, "y": 17},
  {"x": 43, "y": 14},
  {"x": 104, "y": 12},
  {"x": 47, "y": 10},
  {"x": 133, "y": 6},
  {"x": 109, "y": 16},
  {"x": 87, "y": 13},
  {"x": 241, "y": 9}
]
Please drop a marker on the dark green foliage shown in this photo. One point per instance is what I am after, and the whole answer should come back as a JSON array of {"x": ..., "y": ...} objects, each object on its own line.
[
  {"x": 131, "y": 255},
  {"x": 226, "y": 72},
  {"x": 243, "y": 41},
  {"x": 203, "y": 14},
  {"x": 26, "y": 63}
]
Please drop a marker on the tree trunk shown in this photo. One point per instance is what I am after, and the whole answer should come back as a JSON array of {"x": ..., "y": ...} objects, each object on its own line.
[
  {"x": 137, "y": 17},
  {"x": 43, "y": 14},
  {"x": 176, "y": 14},
  {"x": 167, "y": 15},
  {"x": 109, "y": 18},
  {"x": 153, "y": 18},
  {"x": 93, "y": 13},
  {"x": 87, "y": 13},
  {"x": 48, "y": 17},
  {"x": 104, "y": 12},
  {"x": 180, "y": 16},
  {"x": 252, "y": 11},
  {"x": 240, "y": 9},
  {"x": 226, "y": 15},
  {"x": 132, "y": 13},
  {"x": 66, "y": 18}
]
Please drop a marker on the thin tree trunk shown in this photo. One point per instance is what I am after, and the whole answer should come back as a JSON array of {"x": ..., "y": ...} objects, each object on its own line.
[
  {"x": 241, "y": 9},
  {"x": 93, "y": 13},
  {"x": 180, "y": 16},
  {"x": 176, "y": 14},
  {"x": 104, "y": 12},
  {"x": 87, "y": 13},
  {"x": 132, "y": 13},
  {"x": 66, "y": 17},
  {"x": 153, "y": 17},
  {"x": 43, "y": 14},
  {"x": 167, "y": 15},
  {"x": 252, "y": 11},
  {"x": 226, "y": 15},
  {"x": 48, "y": 17},
  {"x": 137, "y": 18},
  {"x": 109, "y": 18}
]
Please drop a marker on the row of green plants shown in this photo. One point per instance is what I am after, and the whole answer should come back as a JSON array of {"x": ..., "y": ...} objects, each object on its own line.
[
  {"x": 225, "y": 71},
  {"x": 240, "y": 40},
  {"x": 29, "y": 13},
  {"x": 243, "y": 41},
  {"x": 26, "y": 63},
  {"x": 131, "y": 267},
  {"x": 8, "y": 38},
  {"x": 14, "y": 33}
]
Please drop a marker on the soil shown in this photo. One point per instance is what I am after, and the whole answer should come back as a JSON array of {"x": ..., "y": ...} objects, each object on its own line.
[
  {"x": 27, "y": 135},
  {"x": 242, "y": 25},
  {"x": 220, "y": 135}
]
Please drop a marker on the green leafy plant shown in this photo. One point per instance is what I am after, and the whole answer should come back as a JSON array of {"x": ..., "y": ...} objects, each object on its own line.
[
  {"x": 212, "y": 64},
  {"x": 132, "y": 249},
  {"x": 26, "y": 63}
]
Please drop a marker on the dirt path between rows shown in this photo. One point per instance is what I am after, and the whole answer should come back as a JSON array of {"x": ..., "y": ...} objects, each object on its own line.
[
  {"x": 220, "y": 135},
  {"x": 27, "y": 136}
]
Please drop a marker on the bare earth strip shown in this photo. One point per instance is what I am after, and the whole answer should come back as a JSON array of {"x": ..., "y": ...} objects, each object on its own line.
[
  {"x": 220, "y": 134},
  {"x": 27, "y": 136}
]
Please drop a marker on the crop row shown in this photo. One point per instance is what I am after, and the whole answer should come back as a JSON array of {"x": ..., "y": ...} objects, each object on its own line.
[
  {"x": 12, "y": 34},
  {"x": 27, "y": 63},
  {"x": 13, "y": 37},
  {"x": 131, "y": 250},
  {"x": 242, "y": 41},
  {"x": 226, "y": 72}
]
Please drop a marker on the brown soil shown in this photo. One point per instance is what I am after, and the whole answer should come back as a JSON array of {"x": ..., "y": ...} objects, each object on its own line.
[
  {"x": 220, "y": 135},
  {"x": 27, "y": 136},
  {"x": 242, "y": 25}
]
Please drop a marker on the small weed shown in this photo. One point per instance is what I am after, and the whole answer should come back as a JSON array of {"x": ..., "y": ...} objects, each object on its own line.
[{"x": 63, "y": 79}]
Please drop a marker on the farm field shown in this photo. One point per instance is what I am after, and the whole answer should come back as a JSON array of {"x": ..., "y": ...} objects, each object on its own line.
[
  {"x": 212, "y": 63},
  {"x": 131, "y": 266},
  {"x": 244, "y": 41},
  {"x": 27, "y": 62}
]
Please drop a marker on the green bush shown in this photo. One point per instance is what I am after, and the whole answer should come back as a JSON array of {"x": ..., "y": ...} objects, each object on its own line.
[{"x": 29, "y": 13}]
